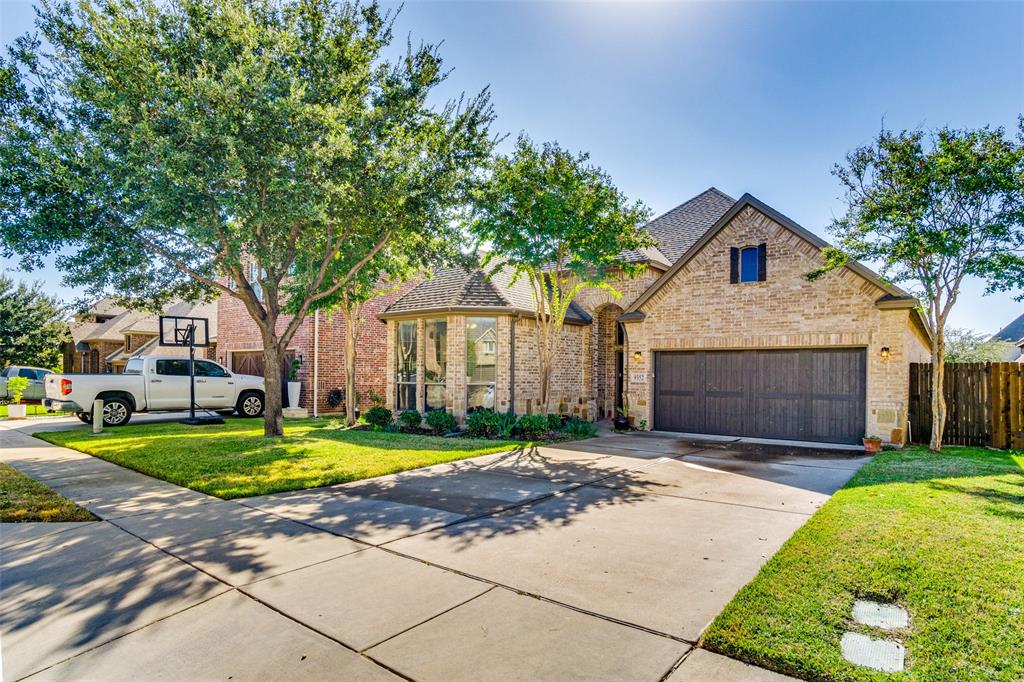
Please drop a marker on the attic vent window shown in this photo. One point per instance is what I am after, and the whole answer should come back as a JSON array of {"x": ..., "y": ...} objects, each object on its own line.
[{"x": 748, "y": 264}]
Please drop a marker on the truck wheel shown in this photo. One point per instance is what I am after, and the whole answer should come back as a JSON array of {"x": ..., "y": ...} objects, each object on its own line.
[
  {"x": 250, "y": 404},
  {"x": 116, "y": 411},
  {"x": 84, "y": 416}
]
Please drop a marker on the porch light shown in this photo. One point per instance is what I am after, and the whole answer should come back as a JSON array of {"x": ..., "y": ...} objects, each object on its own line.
[
  {"x": 884, "y": 352},
  {"x": 637, "y": 356}
]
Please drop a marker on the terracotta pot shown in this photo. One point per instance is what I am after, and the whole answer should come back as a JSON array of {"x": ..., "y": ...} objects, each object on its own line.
[{"x": 872, "y": 445}]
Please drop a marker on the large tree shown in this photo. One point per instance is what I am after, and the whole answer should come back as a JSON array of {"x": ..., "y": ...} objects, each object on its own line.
[
  {"x": 260, "y": 149},
  {"x": 560, "y": 222},
  {"x": 32, "y": 325},
  {"x": 935, "y": 209}
]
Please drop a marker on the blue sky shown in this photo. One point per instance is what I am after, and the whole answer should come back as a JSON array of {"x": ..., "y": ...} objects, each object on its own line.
[{"x": 672, "y": 98}]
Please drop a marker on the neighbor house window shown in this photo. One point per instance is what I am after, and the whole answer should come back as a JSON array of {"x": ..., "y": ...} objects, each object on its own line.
[
  {"x": 405, "y": 374},
  {"x": 481, "y": 362},
  {"x": 747, "y": 264},
  {"x": 435, "y": 370},
  {"x": 254, "y": 274}
]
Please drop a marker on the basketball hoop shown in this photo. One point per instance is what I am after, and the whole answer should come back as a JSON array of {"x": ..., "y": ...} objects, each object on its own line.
[{"x": 191, "y": 333}]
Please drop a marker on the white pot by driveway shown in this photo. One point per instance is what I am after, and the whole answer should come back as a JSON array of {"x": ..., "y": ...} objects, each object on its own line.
[
  {"x": 294, "y": 392},
  {"x": 16, "y": 411}
]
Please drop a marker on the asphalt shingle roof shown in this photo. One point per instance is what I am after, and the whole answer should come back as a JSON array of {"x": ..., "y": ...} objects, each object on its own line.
[
  {"x": 679, "y": 229},
  {"x": 460, "y": 288},
  {"x": 1011, "y": 332},
  {"x": 675, "y": 231}
]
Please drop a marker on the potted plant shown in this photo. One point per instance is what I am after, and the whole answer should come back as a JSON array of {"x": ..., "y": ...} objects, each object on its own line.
[
  {"x": 16, "y": 387},
  {"x": 294, "y": 385},
  {"x": 872, "y": 444},
  {"x": 621, "y": 422}
]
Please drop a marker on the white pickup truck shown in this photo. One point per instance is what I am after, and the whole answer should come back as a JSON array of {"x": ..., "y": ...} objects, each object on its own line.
[{"x": 153, "y": 384}]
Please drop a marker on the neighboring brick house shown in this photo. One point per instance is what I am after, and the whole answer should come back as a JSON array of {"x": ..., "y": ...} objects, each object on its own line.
[
  {"x": 319, "y": 344},
  {"x": 106, "y": 335},
  {"x": 722, "y": 333}
]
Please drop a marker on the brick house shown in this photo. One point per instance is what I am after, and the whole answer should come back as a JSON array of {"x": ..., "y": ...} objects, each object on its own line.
[
  {"x": 721, "y": 334},
  {"x": 106, "y": 335},
  {"x": 318, "y": 344}
]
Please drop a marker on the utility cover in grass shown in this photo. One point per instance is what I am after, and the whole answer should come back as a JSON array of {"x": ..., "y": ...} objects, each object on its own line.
[
  {"x": 878, "y": 654},
  {"x": 885, "y": 616}
]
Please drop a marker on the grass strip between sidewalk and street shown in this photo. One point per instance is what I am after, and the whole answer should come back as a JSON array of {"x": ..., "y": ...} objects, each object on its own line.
[
  {"x": 940, "y": 534},
  {"x": 234, "y": 459},
  {"x": 23, "y": 499}
]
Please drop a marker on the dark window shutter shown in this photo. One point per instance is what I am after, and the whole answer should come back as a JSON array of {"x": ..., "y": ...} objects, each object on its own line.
[
  {"x": 734, "y": 265},
  {"x": 762, "y": 262}
]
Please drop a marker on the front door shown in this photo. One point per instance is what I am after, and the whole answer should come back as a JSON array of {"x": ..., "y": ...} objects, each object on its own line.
[{"x": 619, "y": 367}]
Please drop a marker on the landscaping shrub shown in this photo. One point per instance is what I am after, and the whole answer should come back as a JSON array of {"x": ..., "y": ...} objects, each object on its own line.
[
  {"x": 410, "y": 420},
  {"x": 577, "y": 428},
  {"x": 506, "y": 424},
  {"x": 378, "y": 417},
  {"x": 532, "y": 426},
  {"x": 483, "y": 423},
  {"x": 554, "y": 422},
  {"x": 441, "y": 422}
]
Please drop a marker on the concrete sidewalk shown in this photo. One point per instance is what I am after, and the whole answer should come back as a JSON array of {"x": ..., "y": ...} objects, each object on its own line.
[{"x": 597, "y": 560}]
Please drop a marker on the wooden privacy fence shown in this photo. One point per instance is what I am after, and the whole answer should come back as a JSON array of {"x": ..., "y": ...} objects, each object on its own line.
[{"x": 984, "y": 404}]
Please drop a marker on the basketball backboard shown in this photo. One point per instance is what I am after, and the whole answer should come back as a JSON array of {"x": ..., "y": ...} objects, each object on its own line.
[{"x": 175, "y": 331}]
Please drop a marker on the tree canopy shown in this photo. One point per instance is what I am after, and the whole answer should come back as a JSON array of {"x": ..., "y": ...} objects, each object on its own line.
[
  {"x": 934, "y": 209},
  {"x": 262, "y": 149},
  {"x": 966, "y": 345},
  {"x": 554, "y": 218},
  {"x": 32, "y": 326}
]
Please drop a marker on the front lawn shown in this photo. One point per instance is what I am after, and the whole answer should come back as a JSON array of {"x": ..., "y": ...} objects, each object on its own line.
[
  {"x": 942, "y": 535},
  {"x": 235, "y": 460},
  {"x": 23, "y": 499}
]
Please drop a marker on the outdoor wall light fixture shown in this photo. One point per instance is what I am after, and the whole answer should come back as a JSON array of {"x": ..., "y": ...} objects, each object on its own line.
[
  {"x": 884, "y": 352},
  {"x": 637, "y": 356}
]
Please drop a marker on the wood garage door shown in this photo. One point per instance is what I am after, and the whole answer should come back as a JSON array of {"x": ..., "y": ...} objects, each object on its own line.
[
  {"x": 800, "y": 394},
  {"x": 251, "y": 362}
]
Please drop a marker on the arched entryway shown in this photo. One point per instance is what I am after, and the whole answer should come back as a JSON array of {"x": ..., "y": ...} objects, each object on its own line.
[{"x": 610, "y": 346}]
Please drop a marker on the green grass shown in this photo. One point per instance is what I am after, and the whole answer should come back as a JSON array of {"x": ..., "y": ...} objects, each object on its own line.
[
  {"x": 234, "y": 459},
  {"x": 942, "y": 535},
  {"x": 22, "y": 499},
  {"x": 34, "y": 411}
]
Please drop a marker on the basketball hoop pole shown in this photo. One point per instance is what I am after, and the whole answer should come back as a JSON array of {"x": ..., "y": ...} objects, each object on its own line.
[{"x": 192, "y": 372}]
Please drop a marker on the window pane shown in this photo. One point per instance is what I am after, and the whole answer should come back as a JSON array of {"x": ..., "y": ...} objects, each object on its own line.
[
  {"x": 481, "y": 395},
  {"x": 481, "y": 351},
  {"x": 205, "y": 368},
  {"x": 133, "y": 366},
  {"x": 436, "y": 340},
  {"x": 176, "y": 368},
  {"x": 748, "y": 264},
  {"x": 406, "y": 354},
  {"x": 406, "y": 398},
  {"x": 435, "y": 397}
]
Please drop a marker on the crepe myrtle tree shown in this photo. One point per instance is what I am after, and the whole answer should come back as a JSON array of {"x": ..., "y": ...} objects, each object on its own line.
[
  {"x": 265, "y": 150},
  {"x": 560, "y": 222},
  {"x": 935, "y": 209}
]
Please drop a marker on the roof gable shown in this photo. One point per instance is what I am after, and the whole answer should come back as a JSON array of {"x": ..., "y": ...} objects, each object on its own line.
[
  {"x": 893, "y": 296},
  {"x": 679, "y": 228},
  {"x": 1011, "y": 332}
]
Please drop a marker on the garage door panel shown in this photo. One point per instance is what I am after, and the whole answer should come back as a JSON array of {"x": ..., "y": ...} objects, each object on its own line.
[{"x": 800, "y": 394}]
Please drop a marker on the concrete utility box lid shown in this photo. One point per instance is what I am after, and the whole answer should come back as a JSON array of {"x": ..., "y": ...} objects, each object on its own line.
[
  {"x": 885, "y": 616},
  {"x": 878, "y": 654}
]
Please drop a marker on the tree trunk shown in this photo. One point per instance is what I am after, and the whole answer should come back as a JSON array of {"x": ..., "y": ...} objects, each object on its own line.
[
  {"x": 273, "y": 419},
  {"x": 938, "y": 396},
  {"x": 351, "y": 334}
]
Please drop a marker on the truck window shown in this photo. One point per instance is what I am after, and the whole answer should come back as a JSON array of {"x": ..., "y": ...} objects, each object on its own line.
[
  {"x": 133, "y": 366},
  {"x": 174, "y": 368},
  {"x": 28, "y": 373},
  {"x": 205, "y": 368}
]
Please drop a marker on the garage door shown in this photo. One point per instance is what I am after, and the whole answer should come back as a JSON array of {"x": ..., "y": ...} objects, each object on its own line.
[
  {"x": 800, "y": 394},
  {"x": 251, "y": 362}
]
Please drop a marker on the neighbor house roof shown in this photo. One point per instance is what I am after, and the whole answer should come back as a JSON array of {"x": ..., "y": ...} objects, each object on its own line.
[
  {"x": 461, "y": 290},
  {"x": 1011, "y": 332}
]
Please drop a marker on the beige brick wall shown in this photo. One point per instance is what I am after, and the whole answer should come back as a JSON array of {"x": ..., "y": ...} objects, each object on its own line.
[{"x": 700, "y": 309}]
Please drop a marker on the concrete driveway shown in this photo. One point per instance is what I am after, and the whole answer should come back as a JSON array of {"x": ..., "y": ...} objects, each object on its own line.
[{"x": 598, "y": 560}]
